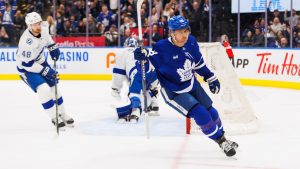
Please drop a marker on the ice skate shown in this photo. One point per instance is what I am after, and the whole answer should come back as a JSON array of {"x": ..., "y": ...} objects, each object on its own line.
[
  {"x": 61, "y": 124},
  {"x": 67, "y": 120},
  {"x": 226, "y": 146},
  {"x": 135, "y": 115},
  {"x": 153, "y": 109},
  {"x": 233, "y": 144},
  {"x": 123, "y": 119}
]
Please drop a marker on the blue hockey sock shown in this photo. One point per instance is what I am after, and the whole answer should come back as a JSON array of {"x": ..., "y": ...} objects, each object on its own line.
[
  {"x": 215, "y": 117},
  {"x": 204, "y": 119}
]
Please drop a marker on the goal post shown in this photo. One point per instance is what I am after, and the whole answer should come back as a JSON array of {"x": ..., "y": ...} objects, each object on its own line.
[{"x": 234, "y": 109}]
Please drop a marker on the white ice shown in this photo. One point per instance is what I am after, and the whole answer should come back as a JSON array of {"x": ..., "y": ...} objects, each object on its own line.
[{"x": 28, "y": 139}]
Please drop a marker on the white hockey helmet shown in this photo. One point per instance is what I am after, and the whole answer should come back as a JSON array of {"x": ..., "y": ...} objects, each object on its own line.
[{"x": 32, "y": 18}]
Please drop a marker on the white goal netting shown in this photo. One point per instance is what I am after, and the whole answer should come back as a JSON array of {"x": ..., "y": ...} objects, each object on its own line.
[{"x": 235, "y": 111}]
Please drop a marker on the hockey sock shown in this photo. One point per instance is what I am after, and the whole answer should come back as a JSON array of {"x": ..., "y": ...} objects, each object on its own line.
[
  {"x": 216, "y": 118},
  {"x": 45, "y": 96},
  {"x": 203, "y": 119},
  {"x": 60, "y": 101}
]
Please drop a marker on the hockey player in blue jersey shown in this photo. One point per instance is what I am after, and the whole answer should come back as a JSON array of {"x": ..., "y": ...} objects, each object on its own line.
[
  {"x": 35, "y": 70},
  {"x": 176, "y": 60},
  {"x": 126, "y": 69}
]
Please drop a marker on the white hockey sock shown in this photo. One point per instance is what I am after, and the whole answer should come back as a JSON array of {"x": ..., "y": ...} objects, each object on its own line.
[
  {"x": 61, "y": 107},
  {"x": 44, "y": 93}
]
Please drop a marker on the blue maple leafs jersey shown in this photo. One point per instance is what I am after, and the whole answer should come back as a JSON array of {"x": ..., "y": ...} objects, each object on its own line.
[{"x": 175, "y": 66}]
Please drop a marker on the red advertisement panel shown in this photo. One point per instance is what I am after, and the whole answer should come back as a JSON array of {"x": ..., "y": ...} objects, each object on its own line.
[{"x": 80, "y": 41}]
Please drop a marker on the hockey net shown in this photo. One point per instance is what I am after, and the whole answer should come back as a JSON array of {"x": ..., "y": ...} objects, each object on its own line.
[{"x": 235, "y": 111}]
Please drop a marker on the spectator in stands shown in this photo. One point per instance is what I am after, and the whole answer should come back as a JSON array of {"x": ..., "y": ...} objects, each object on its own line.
[
  {"x": 272, "y": 43},
  {"x": 60, "y": 24},
  {"x": 131, "y": 12},
  {"x": 296, "y": 29},
  {"x": 167, "y": 11},
  {"x": 8, "y": 12},
  {"x": 101, "y": 29},
  {"x": 74, "y": 23},
  {"x": 4, "y": 38},
  {"x": 194, "y": 17},
  {"x": 68, "y": 28},
  {"x": 111, "y": 36},
  {"x": 125, "y": 25},
  {"x": 93, "y": 9},
  {"x": 258, "y": 39},
  {"x": 19, "y": 24},
  {"x": 92, "y": 24},
  {"x": 82, "y": 27},
  {"x": 155, "y": 34},
  {"x": 205, "y": 18},
  {"x": 274, "y": 14},
  {"x": 262, "y": 26},
  {"x": 52, "y": 25},
  {"x": 127, "y": 34},
  {"x": 143, "y": 16},
  {"x": 275, "y": 27},
  {"x": 297, "y": 40},
  {"x": 283, "y": 43},
  {"x": 105, "y": 17},
  {"x": 295, "y": 18},
  {"x": 174, "y": 6},
  {"x": 248, "y": 40},
  {"x": 154, "y": 15},
  {"x": 78, "y": 10},
  {"x": 164, "y": 24},
  {"x": 132, "y": 23},
  {"x": 286, "y": 31}
]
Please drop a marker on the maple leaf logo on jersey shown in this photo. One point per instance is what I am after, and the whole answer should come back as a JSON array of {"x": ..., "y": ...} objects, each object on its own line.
[{"x": 186, "y": 73}]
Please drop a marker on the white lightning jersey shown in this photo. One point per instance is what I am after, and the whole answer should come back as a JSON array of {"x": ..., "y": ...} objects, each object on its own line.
[
  {"x": 124, "y": 68},
  {"x": 30, "y": 57}
]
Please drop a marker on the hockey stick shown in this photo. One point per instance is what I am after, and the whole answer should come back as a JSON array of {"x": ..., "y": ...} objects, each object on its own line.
[
  {"x": 56, "y": 103},
  {"x": 139, "y": 6}
]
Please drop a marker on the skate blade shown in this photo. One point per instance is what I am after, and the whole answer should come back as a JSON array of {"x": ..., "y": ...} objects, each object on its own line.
[
  {"x": 133, "y": 121},
  {"x": 121, "y": 121},
  {"x": 70, "y": 125},
  {"x": 153, "y": 114}
]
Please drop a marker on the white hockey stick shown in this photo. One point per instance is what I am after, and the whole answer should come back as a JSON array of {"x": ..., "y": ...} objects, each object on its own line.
[{"x": 139, "y": 6}]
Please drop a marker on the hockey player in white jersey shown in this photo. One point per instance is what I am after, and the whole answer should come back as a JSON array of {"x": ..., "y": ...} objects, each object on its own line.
[
  {"x": 34, "y": 69},
  {"x": 125, "y": 69},
  {"x": 176, "y": 60}
]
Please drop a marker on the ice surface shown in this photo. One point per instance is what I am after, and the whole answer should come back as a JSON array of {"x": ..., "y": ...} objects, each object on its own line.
[{"x": 28, "y": 139}]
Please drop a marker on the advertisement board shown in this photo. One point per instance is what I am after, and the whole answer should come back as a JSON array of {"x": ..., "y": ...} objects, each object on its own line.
[
  {"x": 80, "y": 41},
  {"x": 74, "y": 63},
  {"x": 272, "y": 66},
  {"x": 252, "y": 6}
]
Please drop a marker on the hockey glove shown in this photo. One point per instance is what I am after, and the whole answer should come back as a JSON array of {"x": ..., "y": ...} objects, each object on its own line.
[
  {"x": 54, "y": 51},
  {"x": 141, "y": 53},
  {"x": 49, "y": 73},
  {"x": 214, "y": 84}
]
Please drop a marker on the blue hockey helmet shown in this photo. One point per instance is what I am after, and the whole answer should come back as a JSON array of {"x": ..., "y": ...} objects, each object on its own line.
[
  {"x": 131, "y": 42},
  {"x": 178, "y": 22}
]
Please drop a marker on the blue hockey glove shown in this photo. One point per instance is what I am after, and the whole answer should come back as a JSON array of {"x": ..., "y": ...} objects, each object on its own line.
[
  {"x": 214, "y": 84},
  {"x": 54, "y": 51},
  {"x": 141, "y": 54},
  {"x": 49, "y": 73}
]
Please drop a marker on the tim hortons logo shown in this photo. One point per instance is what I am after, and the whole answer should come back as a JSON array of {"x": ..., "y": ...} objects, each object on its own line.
[{"x": 288, "y": 67}]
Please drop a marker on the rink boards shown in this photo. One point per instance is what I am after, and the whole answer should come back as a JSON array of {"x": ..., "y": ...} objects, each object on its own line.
[{"x": 262, "y": 67}]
